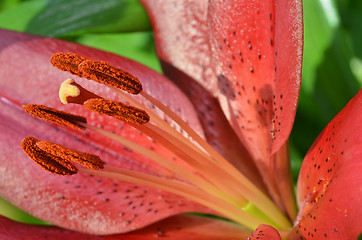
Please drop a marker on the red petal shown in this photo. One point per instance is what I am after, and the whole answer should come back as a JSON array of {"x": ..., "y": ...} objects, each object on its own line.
[
  {"x": 257, "y": 53},
  {"x": 329, "y": 184},
  {"x": 283, "y": 176},
  {"x": 265, "y": 232},
  {"x": 249, "y": 42},
  {"x": 80, "y": 202},
  {"x": 176, "y": 228},
  {"x": 181, "y": 35}
]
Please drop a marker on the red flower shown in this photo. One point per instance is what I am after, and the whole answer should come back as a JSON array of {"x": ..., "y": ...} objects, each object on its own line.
[{"x": 240, "y": 65}]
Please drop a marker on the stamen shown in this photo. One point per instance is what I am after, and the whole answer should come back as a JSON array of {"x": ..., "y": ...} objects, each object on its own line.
[
  {"x": 214, "y": 182},
  {"x": 48, "y": 162},
  {"x": 72, "y": 92},
  {"x": 118, "y": 110},
  {"x": 55, "y": 116},
  {"x": 104, "y": 73},
  {"x": 86, "y": 159},
  {"x": 67, "y": 62}
]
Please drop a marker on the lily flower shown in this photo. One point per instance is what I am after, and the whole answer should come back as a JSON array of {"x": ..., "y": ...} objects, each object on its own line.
[{"x": 214, "y": 143}]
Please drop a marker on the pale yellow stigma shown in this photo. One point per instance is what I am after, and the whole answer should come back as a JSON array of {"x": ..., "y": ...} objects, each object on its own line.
[
  {"x": 67, "y": 89},
  {"x": 72, "y": 92}
]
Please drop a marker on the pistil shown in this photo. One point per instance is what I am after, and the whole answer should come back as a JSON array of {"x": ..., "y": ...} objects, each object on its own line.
[
  {"x": 179, "y": 146},
  {"x": 72, "y": 92}
]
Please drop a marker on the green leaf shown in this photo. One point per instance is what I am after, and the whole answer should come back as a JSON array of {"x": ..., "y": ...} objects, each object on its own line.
[
  {"x": 10, "y": 211},
  {"x": 320, "y": 22},
  {"x": 59, "y": 18},
  {"x": 296, "y": 161},
  {"x": 4, "y": 4},
  {"x": 328, "y": 82},
  {"x": 17, "y": 18},
  {"x": 351, "y": 16}
]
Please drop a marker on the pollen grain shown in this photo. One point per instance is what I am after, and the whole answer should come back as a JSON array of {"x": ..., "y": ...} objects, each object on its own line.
[
  {"x": 88, "y": 160},
  {"x": 48, "y": 162},
  {"x": 67, "y": 62},
  {"x": 109, "y": 75},
  {"x": 118, "y": 110},
  {"x": 55, "y": 116}
]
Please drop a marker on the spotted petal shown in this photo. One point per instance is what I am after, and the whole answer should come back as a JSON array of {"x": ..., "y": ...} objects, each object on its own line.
[
  {"x": 81, "y": 202},
  {"x": 249, "y": 43},
  {"x": 329, "y": 184},
  {"x": 265, "y": 232},
  {"x": 177, "y": 228}
]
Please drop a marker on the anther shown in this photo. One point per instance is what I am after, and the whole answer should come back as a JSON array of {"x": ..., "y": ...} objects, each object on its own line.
[
  {"x": 72, "y": 92},
  {"x": 48, "y": 162},
  {"x": 86, "y": 159},
  {"x": 67, "y": 62},
  {"x": 55, "y": 116},
  {"x": 118, "y": 110},
  {"x": 104, "y": 73}
]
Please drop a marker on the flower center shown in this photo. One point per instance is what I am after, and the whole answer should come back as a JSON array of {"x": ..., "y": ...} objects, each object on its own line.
[{"x": 210, "y": 179}]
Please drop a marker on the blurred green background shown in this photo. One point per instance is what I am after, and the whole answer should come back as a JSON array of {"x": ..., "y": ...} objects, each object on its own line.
[{"x": 332, "y": 68}]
